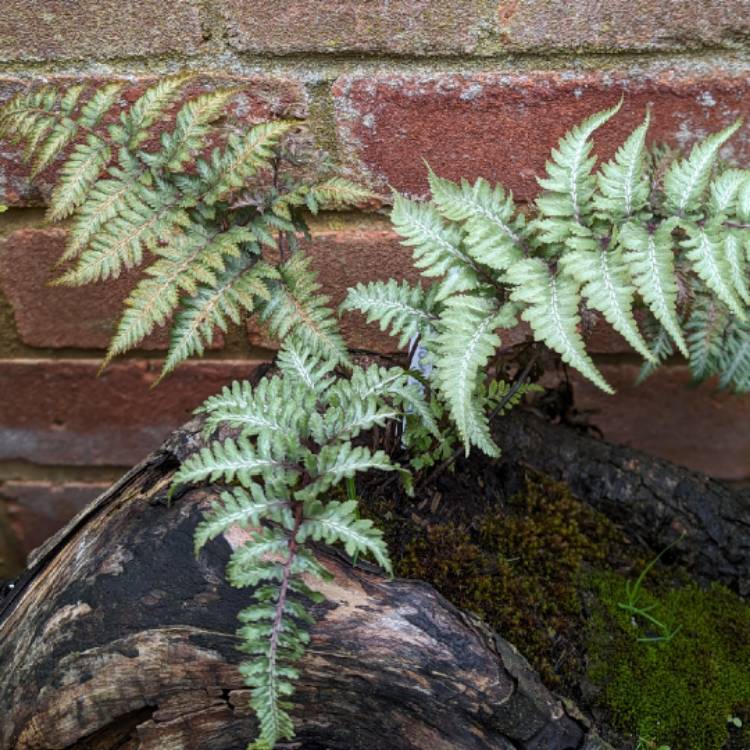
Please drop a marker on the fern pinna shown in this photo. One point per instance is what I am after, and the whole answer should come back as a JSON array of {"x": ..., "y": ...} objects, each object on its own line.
[
  {"x": 292, "y": 443},
  {"x": 196, "y": 206},
  {"x": 648, "y": 230}
]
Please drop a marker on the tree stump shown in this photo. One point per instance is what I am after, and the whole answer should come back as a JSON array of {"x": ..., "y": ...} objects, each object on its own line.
[{"x": 117, "y": 637}]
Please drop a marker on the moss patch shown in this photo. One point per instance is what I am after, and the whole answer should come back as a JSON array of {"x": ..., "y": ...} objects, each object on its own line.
[
  {"x": 547, "y": 572},
  {"x": 517, "y": 567},
  {"x": 678, "y": 692}
]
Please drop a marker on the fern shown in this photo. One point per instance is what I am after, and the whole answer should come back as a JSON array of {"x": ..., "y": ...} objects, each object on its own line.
[
  {"x": 212, "y": 214},
  {"x": 650, "y": 257},
  {"x": 648, "y": 231},
  {"x": 407, "y": 310},
  {"x": 437, "y": 246},
  {"x": 287, "y": 459},
  {"x": 569, "y": 185},
  {"x": 552, "y": 313},
  {"x": 493, "y": 230},
  {"x": 687, "y": 179},
  {"x": 195, "y": 222},
  {"x": 467, "y": 341},
  {"x": 295, "y": 307},
  {"x": 623, "y": 182}
]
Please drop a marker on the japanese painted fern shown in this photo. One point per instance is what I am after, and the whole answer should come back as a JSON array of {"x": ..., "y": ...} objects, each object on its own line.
[
  {"x": 293, "y": 441},
  {"x": 668, "y": 237},
  {"x": 214, "y": 210},
  {"x": 172, "y": 182}
]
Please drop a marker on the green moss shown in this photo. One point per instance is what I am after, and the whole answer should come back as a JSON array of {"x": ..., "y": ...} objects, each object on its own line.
[
  {"x": 517, "y": 568},
  {"x": 547, "y": 572},
  {"x": 679, "y": 692}
]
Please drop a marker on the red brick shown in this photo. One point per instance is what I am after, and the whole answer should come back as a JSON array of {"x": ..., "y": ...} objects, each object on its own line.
[
  {"x": 36, "y": 510},
  {"x": 60, "y": 30},
  {"x": 414, "y": 27},
  {"x": 261, "y": 97},
  {"x": 57, "y": 317},
  {"x": 60, "y": 412},
  {"x": 502, "y": 126},
  {"x": 700, "y": 428},
  {"x": 592, "y": 25}
]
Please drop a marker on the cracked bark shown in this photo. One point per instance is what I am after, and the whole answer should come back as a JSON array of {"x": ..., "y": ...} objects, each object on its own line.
[{"x": 117, "y": 637}]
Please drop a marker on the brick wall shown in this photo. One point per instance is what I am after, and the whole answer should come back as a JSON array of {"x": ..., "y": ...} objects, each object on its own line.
[{"x": 476, "y": 87}]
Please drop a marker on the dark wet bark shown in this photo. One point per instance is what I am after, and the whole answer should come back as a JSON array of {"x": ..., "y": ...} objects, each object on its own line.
[
  {"x": 653, "y": 500},
  {"x": 117, "y": 637}
]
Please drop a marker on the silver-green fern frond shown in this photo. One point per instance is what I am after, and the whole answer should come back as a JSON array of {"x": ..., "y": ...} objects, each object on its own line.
[
  {"x": 403, "y": 310},
  {"x": 140, "y": 189},
  {"x": 294, "y": 446},
  {"x": 295, "y": 307}
]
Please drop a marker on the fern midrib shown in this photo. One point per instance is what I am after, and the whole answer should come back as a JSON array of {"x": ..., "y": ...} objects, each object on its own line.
[
  {"x": 687, "y": 193},
  {"x": 368, "y": 419},
  {"x": 630, "y": 177},
  {"x": 211, "y": 303},
  {"x": 59, "y": 116},
  {"x": 113, "y": 251},
  {"x": 170, "y": 281},
  {"x": 737, "y": 360},
  {"x": 661, "y": 296},
  {"x": 612, "y": 291},
  {"x": 477, "y": 207},
  {"x": 569, "y": 347},
  {"x": 441, "y": 241},
  {"x": 252, "y": 420},
  {"x": 466, "y": 393},
  {"x": 279, "y": 614}
]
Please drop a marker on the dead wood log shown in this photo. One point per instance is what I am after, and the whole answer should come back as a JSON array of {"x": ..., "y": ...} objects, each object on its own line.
[
  {"x": 117, "y": 637},
  {"x": 654, "y": 500}
]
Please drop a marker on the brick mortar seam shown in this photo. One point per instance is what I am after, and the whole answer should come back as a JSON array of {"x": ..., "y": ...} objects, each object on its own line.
[{"x": 327, "y": 67}]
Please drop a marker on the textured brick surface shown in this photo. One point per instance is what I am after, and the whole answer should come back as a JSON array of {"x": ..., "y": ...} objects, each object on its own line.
[
  {"x": 64, "y": 30},
  {"x": 36, "y": 510},
  {"x": 612, "y": 25},
  {"x": 59, "y": 412},
  {"x": 82, "y": 317},
  {"x": 344, "y": 258},
  {"x": 502, "y": 126},
  {"x": 259, "y": 97},
  {"x": 695, "y": 427},
  {"x": 399, "y": 26}
]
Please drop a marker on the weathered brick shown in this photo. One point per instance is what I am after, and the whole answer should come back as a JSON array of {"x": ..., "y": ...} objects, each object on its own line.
[
  {"x": 60, "y": 30},
  {"x": 259, "y": 97},
  {"x": 57, "y": 317},
  {"x": 593, "y": 25},
  {"x": 502, "y": 126},
  {"x": 343, "y": 258},
  {"x": 36, "y": 510},
  {"x": 700, "y": 428},
  {"x": 60, "y": 412},
  {"x": 414, "y": 27}
]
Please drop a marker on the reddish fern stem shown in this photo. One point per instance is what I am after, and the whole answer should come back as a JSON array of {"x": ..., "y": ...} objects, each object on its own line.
[{"x": 284, "y": 588}]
